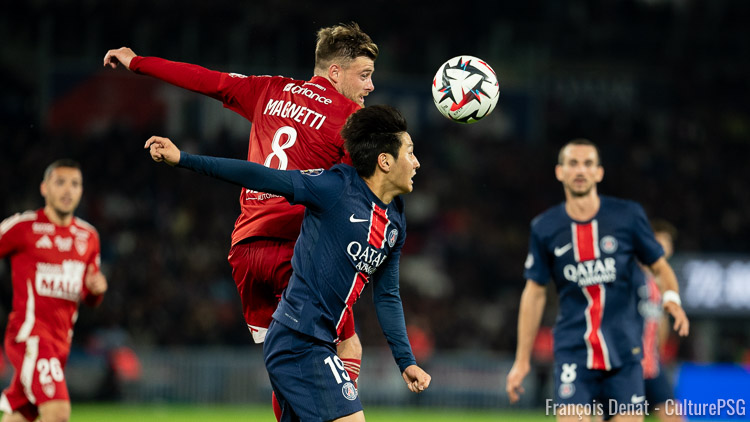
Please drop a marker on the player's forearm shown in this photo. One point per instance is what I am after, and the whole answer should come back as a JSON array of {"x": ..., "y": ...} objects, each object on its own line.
[
  {"x": 530, "y": 314},
  {"x": 390, "y": 312},
  {"x": 242, "y": 173},
  {"x": 183, "y": 75},
  {"x": 665, "y": 276},
  {"x": 391, "y": 318}
]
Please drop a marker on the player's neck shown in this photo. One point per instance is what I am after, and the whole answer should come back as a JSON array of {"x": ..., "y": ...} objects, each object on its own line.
[
  {"x": 58, "y": 218},
  {"x": 378, "y": 187},
  {"x": 582, "y": 208}
]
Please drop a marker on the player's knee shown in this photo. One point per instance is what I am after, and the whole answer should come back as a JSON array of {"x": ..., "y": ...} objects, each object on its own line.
[{"x": 55, "y": 411}]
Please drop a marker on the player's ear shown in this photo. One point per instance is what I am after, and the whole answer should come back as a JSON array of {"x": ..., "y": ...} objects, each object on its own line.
[
  {"x": 599, "y": 174},
  {"x": 43, "y": 189},
  {"x": 558, "y": 173},
  {"x": 334, "y": 71},
  {"x": 384, "y": 162}
]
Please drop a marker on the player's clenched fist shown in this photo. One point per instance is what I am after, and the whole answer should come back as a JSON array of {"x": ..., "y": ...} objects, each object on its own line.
[
  {"x": 162, "y": 149},
  {"x": 416, "y": 378}
]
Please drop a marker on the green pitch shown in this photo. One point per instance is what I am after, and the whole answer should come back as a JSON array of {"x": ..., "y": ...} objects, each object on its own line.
[{"x": 188, "y": 413}]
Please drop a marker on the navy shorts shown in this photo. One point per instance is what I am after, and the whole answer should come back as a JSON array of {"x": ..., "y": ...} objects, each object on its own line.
[
  {"x": 307, "y": 376},
  {"x": 623, "y": 386},
  {"x": 658, "y": 389}
]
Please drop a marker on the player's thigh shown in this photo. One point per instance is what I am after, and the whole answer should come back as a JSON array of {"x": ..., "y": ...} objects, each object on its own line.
[
  {"x": 39, "y": 376},
  {"x": 14, "y": 417},
  {"x": 576, "y": 385},
  {"x": 351, "y": 348},
  {"x": 658, "y": 389},
  {"x": 55, "y": 411},
  {"x": 308, "y": 375},
  {"x": 625, "y": 392}
]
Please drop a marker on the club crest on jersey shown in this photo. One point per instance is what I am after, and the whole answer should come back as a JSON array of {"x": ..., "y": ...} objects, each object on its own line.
[
  {"x": 566, "y": 390},
  {"x": 81, "y": 245},
  {"x": 312, "y": 172},
  {"x": 392, "y": 236},
  {"x": 349, "y": 392},
  {"x": 49, "y": 389},
  {"x": 608, "y": 244}
]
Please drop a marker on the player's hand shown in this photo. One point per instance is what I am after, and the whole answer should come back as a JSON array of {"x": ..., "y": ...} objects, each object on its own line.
[
  {"x": 513, "y": 386},
  {"x": 681, "y": 323},
  {"x": 95, "y": 281},
  {"x": 416, "y": 379},
  {"x": 122, "y": 55},
  {"x": 162, "y": 149}
]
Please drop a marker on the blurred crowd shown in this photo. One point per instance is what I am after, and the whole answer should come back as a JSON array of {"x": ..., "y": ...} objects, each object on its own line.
[{"x": 660, "y": 85}]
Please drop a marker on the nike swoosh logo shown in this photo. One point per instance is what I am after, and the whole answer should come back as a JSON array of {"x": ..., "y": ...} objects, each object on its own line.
[
  {"x": 561, "y": 250},
  {"x": 357, "y": 220},
  {"x": 637, "y": 399}
]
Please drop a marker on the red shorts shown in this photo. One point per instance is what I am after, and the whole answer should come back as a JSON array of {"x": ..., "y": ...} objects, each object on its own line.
[
  {"x": 261, "y": 268},
  {"x": 38, "y": 378}
]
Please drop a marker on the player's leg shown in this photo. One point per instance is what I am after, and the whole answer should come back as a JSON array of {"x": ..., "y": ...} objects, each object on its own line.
[
  {"x": 14, "y": 417},
  {"x": 253, "y": 274},
  {"x": 308, "y": 377},
  {"x": 349, "y": 348},
  {"x": 54, "y": 411},
  {"x": 658, "y": 391},
  {"x": 625, "y": 392},
  {"x": 576, "y": 390}
]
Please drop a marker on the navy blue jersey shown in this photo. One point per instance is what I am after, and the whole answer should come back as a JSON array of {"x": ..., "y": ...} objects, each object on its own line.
[
  {"x": 349, "y": 238},
  {"x": 594, "y": 265}
]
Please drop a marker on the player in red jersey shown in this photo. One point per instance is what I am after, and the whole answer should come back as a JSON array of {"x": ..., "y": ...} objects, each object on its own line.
[
  {"x": 54, "y": 258},
  {"x": 295, "y": 125}
]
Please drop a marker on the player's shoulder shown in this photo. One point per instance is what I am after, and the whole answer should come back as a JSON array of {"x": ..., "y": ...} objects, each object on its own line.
[
  {"x": 620, "y": 205},
  {"x": 80, "y": 223},
  {"x": 551, "y": 216},
  {"x": 18, "y": 219}
]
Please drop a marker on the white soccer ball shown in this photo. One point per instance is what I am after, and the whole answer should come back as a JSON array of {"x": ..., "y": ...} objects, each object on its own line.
[{"x": 465, "y": 89}]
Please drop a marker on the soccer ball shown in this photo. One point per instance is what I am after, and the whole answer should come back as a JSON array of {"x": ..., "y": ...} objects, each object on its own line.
[{"x": 465, "y": 89}]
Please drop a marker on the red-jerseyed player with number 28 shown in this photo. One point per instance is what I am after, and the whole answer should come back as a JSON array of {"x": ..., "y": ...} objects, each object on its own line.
[{"x": 54, "y": 257}]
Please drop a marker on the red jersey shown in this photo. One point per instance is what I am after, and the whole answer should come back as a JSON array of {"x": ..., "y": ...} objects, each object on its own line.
[
  {"x": 48, "y": 266},
  {"x": 296, "y": 126}
]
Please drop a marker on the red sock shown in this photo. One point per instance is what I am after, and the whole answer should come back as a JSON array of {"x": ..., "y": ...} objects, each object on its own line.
[
  {"x": 352, "y": 368},
  {"x": 276, "y": 407}
]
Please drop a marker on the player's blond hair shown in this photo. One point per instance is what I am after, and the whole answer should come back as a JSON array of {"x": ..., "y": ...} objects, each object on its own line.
[{"x": 342, "y": 44}]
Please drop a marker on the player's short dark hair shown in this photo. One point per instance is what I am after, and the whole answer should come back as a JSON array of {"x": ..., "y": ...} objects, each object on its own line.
[
  {"x": 343, "y": 43},
  {"x": 664, "y": 226},
  {"x": 579, "y": 141},
  {"x": 63, "y": 162},
  {"x": 371, "y": 131}
]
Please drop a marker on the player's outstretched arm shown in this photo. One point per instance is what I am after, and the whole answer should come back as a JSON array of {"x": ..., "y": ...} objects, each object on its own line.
[
  {"x": 416, "y": 378},
  {"x": 533, "y": 299},
  {"x": 121, "y": 55},
  {"x": 240, "y": 172},
  {"x": 671, "y": 295}
]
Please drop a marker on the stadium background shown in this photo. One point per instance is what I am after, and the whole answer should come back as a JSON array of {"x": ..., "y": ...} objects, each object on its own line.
[{"x": 660, "y": 85}]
